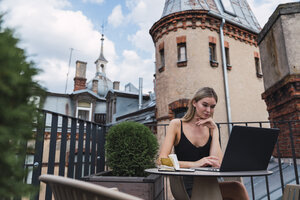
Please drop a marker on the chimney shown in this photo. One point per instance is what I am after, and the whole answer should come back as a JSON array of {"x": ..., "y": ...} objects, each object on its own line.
[
  {"x": 80, "y": 79},
  {"x": 116, "y": 85},
  {"x": 95, "y": 86},
  {"x": 140, "y": 92},
  {"x": 280, "y": 66}
]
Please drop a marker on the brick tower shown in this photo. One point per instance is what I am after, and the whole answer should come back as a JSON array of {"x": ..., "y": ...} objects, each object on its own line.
[{"x": 208, "y": 43}]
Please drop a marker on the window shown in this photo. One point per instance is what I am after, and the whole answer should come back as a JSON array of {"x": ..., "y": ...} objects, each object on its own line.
[
  {"x": 212, "y": 51},
  {"x": 212, "y": 55},
  {"x": 180, "y": 112},
  {"x": 162, "y": 57},
  {"x": 257, "y": 65},
  {"x": 83, "y": 114},
  {"x": 161, "y": 51},
  {"x": 227, "y": 7},
  {"x": 181, "y": 52},
  {"x": 84, "y": 111},
  {"x": 258, "y": 68},
  {"x": 100, "y": 118},
  {"x": 227, "y": 56}
]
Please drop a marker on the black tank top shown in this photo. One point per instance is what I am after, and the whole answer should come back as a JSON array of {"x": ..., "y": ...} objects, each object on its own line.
[{"x": 186, "y": 151}]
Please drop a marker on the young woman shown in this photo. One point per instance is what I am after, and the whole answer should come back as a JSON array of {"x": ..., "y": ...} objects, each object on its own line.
[{"x": 195, "y": 139}]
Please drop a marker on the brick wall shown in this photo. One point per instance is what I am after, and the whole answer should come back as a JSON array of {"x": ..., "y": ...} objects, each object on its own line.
[
  {"x": 79, "y": 83},
  {"x": 283, "y": 104}
]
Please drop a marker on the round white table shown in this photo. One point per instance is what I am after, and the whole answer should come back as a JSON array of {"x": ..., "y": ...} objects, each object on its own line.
[{"x": 206, "y": 186}]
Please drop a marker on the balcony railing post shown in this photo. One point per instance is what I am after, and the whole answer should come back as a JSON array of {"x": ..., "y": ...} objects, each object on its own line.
[
  {"x": 63, "y": 146},
  {"x": 279, "y": 162},
  {"x": 78, "y": 172},
  {"x": 252, "y": 188},
  {"x": 93, "y": 153},
  {"x": 72, "y": 148},
  {"x": 293, "y": 153},
  {"x": 38, "y": 152},
  {"x": 87, "y": 163},
  {"x": 267, "y": 186},
  {"x": 100, "y": 149},
  {"x": 51, "y": 161}
]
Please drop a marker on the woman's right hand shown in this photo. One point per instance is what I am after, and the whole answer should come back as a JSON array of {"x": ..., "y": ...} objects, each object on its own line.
[{"x": 208, "y": 161}]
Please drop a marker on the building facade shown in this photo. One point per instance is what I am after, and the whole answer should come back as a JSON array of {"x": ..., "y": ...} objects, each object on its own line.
[
  {"x": 208, "y": 43},
  {"x": 87, "y": 101},
  {"x": 280, "y": 48},
  {"x": 100, "y": 100}
]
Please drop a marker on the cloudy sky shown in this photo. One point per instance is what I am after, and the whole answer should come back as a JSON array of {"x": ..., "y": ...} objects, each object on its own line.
[{"x": 48, "y": 29}]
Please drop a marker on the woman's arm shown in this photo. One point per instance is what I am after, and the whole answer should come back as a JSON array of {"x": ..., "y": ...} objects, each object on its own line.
[
  {"x": 206, "y": 161},
  {"x": 169, "y": 140},
  {"x": 215, "y": 157},
  {"x": 215, "y": 148}
]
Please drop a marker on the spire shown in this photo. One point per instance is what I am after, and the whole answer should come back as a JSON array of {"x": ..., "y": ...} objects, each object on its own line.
[
  {"x": 101, "y": 56},
  {"x": 101, "y": 61}
]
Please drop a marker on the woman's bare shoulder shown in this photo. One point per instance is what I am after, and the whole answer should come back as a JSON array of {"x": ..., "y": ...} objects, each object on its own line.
[{"x": 175, "y": 122}]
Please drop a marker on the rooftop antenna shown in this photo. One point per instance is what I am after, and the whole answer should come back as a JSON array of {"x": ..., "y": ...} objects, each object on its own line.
[
  {"x": 70, "y": 57},
  {"x": 103, "y": 27}
]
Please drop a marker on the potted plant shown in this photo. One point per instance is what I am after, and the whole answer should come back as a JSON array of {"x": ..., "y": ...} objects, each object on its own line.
[{"x": 130, "y": 149}]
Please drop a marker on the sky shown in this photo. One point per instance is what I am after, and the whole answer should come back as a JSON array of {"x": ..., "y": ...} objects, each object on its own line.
[{"x": 49, "y": 29}]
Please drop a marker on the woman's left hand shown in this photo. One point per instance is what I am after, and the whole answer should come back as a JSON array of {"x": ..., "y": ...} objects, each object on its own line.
[{"x": 209, "y": 122}]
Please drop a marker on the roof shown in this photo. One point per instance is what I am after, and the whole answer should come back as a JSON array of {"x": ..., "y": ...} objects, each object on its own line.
[
  {"x": 89, "y": 92},
  {"x": 104, "y": 84},
  {"x": 235, "y": 11},
  {"x": 101, "y": 57},
  {"x": 57, "y": 94},
  {"x": 125, "y": 94}
]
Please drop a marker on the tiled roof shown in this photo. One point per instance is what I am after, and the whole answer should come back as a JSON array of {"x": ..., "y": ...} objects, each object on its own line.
[{"x": 236, "y": 11}]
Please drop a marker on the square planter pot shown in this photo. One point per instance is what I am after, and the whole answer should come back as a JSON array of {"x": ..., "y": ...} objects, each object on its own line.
[{"x": 148, "y": 188}]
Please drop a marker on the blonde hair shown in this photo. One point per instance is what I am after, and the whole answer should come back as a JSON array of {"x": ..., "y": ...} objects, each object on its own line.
[{"x": 200, "y": 94}]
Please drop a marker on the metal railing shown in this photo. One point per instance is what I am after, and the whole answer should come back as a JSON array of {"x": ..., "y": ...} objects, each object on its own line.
[
  {"x": 74, "y": 148},
  {"x": 66, "y": 146},
  {"x": 290, "y": 127}
]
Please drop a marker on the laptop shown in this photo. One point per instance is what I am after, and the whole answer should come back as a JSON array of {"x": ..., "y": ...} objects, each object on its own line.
[{"x": 248, "y": 149}]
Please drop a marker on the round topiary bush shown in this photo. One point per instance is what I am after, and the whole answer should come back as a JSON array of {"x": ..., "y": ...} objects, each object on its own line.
[{"x": 130, "y": 149}]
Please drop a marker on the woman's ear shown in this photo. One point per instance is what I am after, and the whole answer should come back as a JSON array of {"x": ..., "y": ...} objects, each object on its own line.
[{"x": 193, "y": 103}]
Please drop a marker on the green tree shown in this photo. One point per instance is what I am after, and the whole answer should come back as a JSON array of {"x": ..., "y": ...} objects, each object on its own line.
[{"x": 17, "y": 113}]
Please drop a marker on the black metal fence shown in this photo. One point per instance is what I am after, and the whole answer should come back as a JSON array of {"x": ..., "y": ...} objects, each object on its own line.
[
  {"x": 65, "y": 146},
  {"x": 74, "y": 148}
]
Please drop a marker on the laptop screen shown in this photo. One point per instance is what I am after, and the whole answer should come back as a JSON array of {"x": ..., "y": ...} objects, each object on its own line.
[{"x": 249, "y": 148}]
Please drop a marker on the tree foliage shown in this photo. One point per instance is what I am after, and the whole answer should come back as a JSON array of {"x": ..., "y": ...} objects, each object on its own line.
[
  {"x": 130, "y": 149},
  {"x": 18, "y": 111}
]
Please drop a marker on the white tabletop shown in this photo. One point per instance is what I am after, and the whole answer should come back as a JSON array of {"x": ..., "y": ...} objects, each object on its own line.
[{"x": 211, "y": 174}]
